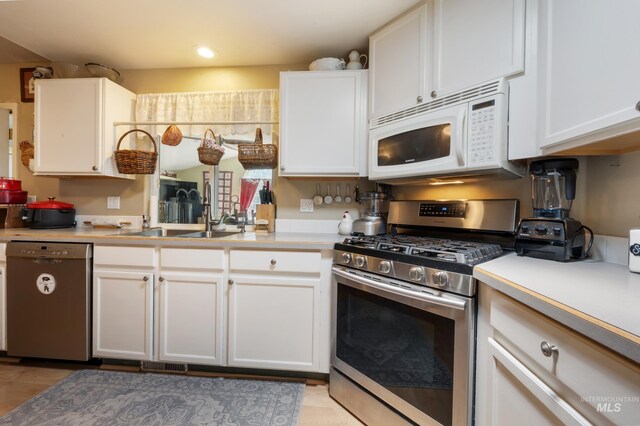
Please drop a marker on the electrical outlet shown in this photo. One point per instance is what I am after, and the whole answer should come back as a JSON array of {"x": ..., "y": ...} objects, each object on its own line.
[
  {"x": 113, "y": 202},
  {"x": 306, "y": 205},
  {"x": 31, "y": 198}
]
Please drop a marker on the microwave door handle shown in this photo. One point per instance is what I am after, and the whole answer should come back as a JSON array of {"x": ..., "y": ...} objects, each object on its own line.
[{"x": 460, "y": 142}]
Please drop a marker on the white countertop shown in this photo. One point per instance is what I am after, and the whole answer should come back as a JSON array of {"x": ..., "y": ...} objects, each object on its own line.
[
  {"x": 286, "y": 240},
  {"x": 600, "y": 300}
]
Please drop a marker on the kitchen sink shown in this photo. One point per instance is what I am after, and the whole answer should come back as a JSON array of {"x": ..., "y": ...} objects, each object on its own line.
[
  {"x": 178, "y": 233},
  {"x": 211, "y": 234}
]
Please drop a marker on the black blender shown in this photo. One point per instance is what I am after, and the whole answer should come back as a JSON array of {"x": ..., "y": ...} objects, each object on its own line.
[{"x": 551, "y": 233}]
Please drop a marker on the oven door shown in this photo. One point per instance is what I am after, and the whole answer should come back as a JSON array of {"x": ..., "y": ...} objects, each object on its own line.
[
  {"x": 410, "y": 346},
  {"x": 429, "y": 143}
]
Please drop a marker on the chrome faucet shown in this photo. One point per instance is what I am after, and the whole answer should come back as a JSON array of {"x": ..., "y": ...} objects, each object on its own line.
[
  {"x": 186, "y": 194},
  {"x": 209, "y": 222}
]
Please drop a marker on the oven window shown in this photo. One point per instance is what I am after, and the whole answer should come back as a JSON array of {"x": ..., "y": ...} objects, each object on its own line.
[
  {"x": 424, "y": 144},
  {"x": 406, "y": 350}
]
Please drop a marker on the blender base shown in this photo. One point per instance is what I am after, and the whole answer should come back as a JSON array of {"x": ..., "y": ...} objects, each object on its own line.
[{"x": 561, "y": 240}]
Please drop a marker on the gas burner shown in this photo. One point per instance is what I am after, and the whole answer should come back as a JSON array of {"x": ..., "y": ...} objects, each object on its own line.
[
  {"x": 361, "y": 241},
  {"x": 396, "y": 248}
]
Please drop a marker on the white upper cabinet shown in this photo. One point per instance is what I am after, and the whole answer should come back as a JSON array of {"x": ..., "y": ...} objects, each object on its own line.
[
  {"x": 441, "y": 47},
  {"x": 476, "y": 41},
  {"x": 74, "y": 132},
  {"x": 323, "y": 123},
  {"x": 590, "y": 84},
  {"x": 398, "y": 55}
]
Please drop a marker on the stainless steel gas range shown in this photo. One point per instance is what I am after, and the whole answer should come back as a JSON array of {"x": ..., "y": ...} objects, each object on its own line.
[{"x": 404, "y": 310}]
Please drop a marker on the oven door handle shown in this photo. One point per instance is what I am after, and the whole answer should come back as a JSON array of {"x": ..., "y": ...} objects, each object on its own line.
[{"x": 436, "y": 300}]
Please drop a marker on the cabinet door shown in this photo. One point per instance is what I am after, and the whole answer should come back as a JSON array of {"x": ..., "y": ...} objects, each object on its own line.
[
  {"x": 3, "y": 308},
  {"x": 476, "y": 41},
  {"x": 398, "y": 68},
  {"x": 68, "y": 125},
  {"x": 122, "y": 315},
  {"x": 190, "y": 313},
  {"x": 517, "y": 396},
  {"x": 323, "y": 123},
  {"x": 590, "y": 85},
  {"x": 274, "y": 323}
]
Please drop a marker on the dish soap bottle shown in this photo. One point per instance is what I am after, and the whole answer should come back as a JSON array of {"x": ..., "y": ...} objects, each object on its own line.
[{"x": 344, "y": 227}]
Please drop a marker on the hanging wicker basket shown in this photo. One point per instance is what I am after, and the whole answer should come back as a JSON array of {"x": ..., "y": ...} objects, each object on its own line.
[
  {"x": 172, "y": 136},
  {"x": 258, "y": 155},
  {"x": 209, "y": 152},
  {"x": 135, "y": 162}
]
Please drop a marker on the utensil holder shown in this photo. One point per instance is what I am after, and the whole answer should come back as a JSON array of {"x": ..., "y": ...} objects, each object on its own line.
[{"x": 268, "y": 213}]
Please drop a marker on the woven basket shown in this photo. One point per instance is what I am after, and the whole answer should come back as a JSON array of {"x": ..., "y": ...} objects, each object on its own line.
[
  {"x": 258, "y": 155},
  {"x": 26, "y": 152},
  {"x": 209, "y": 155},
  {"x": 135, "y": 162}
]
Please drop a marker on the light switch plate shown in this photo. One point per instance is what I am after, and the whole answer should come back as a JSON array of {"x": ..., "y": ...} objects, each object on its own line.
[
  {"x": 113, "y": 202},
  {"x": 306, "y": 205}
]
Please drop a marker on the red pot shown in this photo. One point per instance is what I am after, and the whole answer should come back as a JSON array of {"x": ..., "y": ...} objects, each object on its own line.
[
  {"x": 10, "y": 184},
  {"x": 49, "y": 214},
  {"x": 12, "y": 197}
]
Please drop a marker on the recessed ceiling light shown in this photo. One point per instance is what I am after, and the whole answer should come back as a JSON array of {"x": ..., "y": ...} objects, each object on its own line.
[{"x": 205, "y": 52}]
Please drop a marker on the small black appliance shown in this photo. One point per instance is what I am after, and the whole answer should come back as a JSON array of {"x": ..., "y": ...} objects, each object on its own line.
[{"x": 551, "y": 233}]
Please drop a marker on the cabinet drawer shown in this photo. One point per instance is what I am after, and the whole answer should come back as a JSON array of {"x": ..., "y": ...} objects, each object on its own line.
[
  {"x": 592, "y": 372},
  {"x": 144, "y": 257},
  {"x": 201, "y": 259},
  {"x": 275, "y": 261}
]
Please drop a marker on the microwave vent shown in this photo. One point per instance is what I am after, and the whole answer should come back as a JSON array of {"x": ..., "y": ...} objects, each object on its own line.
[{"x": 453, "y": 99}]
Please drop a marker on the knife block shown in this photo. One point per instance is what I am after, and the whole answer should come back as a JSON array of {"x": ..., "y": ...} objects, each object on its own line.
[{"x": 268, "y": 213}]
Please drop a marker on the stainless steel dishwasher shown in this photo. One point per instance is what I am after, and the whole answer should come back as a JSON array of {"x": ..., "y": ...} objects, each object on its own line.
[{"x": 48, "y": 300}]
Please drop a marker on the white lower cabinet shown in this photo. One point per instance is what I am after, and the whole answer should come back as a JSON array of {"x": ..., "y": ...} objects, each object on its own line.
[
  {"x": 3, "y": 298},
  {"x": 268, "y": 310},
  {"x": 279, "y": 309},
  {"x": 532, "y": 370},
  {"x": 190, "y": 306},
  {"x": 123, "y": 314},
  {"x": 273, "y": 323},
  {"x": 123, "y": 307}
]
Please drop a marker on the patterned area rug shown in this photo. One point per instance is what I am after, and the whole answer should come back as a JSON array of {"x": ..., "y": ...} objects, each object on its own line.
[{"x": 95, "y": 397}]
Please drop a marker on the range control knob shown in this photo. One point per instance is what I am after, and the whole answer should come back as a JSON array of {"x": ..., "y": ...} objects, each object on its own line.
[
  {"x": 345, "y": 258},
  {"x": 384, "y": 266},
  {"x": 360, "y": 261},
  {"x": 416, "y": 273},
  {"x": 440, "y": 278}
]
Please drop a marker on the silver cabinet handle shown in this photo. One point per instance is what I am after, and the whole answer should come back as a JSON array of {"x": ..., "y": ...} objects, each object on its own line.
[
  {"x": 282, "y": 168},
  {"x": 230, "y": 282},
  {"x": 419, "y": 99},
  {"x": 547, "y": 349},
  {"x": 273, "y": 262},
  {"x": 94, "y": 168},
  {"x": 145, "y": 278},
  {"x": 161, "y": 279},
  {"x": 434, "y": 93}
]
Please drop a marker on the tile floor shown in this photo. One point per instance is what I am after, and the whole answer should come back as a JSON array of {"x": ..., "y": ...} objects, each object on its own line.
[{"x": 19, "y": 383}]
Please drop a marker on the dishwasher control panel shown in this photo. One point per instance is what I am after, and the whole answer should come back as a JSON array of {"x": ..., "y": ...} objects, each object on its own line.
[{"x": 49, "y": 250}]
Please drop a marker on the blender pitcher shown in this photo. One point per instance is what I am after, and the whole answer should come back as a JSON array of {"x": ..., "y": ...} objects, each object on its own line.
[{"x": 553, "y": 187}]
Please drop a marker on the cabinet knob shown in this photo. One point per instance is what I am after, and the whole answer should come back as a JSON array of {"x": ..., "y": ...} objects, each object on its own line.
[
  {"x": 282, "y": 168},
  {"x": 161, "y": 279},
  {"x": 273, "y": 262},
  {"x": 419, "y": 99},
  {"x": 94, "y": 168},
  {"x": 638, "y": 106},
  {"x": 547, "y": 349},
  {"x": 145, "y": 278},
  {"x": 434, "y": 93},
  {"x": 230, "y": 282}
]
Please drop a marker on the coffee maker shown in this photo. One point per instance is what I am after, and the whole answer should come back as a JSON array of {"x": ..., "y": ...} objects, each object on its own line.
[{"x": 551, "y": 233}]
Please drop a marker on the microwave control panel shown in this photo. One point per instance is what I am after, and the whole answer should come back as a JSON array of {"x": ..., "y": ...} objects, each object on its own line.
[{"x": 482, "y": 132}]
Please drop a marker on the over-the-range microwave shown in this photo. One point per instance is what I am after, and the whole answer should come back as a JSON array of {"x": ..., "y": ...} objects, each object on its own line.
[{"x": 461, "y": 136}]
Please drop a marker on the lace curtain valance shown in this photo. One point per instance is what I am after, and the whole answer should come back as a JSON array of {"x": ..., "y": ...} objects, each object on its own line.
[{"x": 243, "y": 105}]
